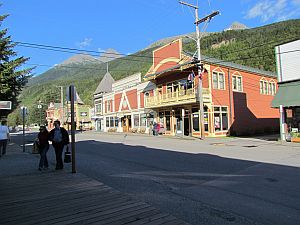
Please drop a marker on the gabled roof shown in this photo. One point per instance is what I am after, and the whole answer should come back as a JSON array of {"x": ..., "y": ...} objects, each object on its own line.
[{"x": 106, "y": 84}]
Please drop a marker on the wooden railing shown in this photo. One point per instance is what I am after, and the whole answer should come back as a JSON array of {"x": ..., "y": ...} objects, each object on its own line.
[{"x": 176, "y": 98}]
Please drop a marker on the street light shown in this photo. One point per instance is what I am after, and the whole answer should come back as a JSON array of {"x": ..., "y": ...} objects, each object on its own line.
[
  {"x": 40, "y": 107},
  {"x": 61, "y": 103}
]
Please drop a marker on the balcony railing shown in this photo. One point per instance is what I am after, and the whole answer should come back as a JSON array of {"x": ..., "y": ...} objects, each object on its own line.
[{"x": 176, "y": 98}]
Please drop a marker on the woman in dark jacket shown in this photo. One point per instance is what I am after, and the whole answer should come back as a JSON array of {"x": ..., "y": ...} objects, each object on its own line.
[{"x": 43, "y": 146}]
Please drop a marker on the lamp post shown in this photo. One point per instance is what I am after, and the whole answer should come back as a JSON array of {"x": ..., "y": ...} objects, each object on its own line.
[
  {"x": 61, "y": 103},
  {"x": 40, "y": 108}
]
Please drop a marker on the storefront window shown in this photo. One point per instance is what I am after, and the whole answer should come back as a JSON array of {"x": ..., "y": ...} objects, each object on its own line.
[
  {"x": 161, "y": 118},
  {"x": 136, "y": 120},
  {"x": 220, "y": 118},
  {"x": 111, "y": 122},
  {"x": 168, "y": 120},
  {"x": 116, "y": 121},
  {"x": 143, "y": 119},
  {"x": 205, "y": 118},
  {"x": 107, "y": 121}
]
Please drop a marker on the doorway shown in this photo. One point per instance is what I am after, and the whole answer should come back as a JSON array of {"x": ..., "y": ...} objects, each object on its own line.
[{"x": 186, "y": 126}]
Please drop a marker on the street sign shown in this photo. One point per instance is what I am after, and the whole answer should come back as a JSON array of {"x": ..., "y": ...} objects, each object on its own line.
[
  {"x": 24, "y": 110},
  {"x": 5, "y": 105}
]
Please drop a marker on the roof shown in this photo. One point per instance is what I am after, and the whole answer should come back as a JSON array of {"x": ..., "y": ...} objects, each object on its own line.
[
  {"x": 287, "y": 95},
  {"x": 210, "y": 60},
  {"x": 237, "y": 66},
  {"x": 106, "y": 84}
]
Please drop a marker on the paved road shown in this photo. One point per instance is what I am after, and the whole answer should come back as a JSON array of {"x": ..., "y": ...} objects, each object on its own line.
[{"x": 217, "y": 181}]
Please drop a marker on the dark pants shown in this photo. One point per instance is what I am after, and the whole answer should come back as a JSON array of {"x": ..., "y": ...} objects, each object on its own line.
[
  {"x": 59, "y": 147},
  {"x": 43, "y": 160},
  {"x": 3, "y": 144}
]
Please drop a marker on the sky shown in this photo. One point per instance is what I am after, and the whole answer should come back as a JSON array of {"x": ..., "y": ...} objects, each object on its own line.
[{"x": 124, "y": 25}]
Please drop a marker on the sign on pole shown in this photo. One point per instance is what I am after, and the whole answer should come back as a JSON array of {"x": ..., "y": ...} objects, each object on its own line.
[{"x": 5, "y": 105}]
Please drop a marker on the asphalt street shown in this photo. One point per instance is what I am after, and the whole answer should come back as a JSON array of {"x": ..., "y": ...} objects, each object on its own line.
[{"x": 215, "y": 181}]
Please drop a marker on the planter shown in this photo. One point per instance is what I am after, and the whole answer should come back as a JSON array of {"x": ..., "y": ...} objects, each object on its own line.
[{"x": 295, "y": 139}]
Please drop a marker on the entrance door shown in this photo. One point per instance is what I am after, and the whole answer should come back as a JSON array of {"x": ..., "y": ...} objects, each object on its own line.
[
  {"x": 98, "y": 122},
  {"x": 186, "y": 126},
  {"x": 124, "y": 124},
  {"x": 178, "y": 125}
]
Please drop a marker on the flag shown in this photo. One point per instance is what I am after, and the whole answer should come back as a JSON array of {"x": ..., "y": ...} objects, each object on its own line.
[
  {"x": 203, "y": 70},
  {"x": 191, "y": 76}
]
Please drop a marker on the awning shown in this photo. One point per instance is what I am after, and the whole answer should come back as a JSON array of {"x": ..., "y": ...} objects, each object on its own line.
[{"x": 288, "y": 95}]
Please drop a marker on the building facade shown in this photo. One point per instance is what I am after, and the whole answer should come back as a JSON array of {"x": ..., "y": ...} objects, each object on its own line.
[
  {"x": 123, "y": 107},
  {"x": 105, "y": 86},
  {"x": 237, "y": 99},
  {"x": 287, "y": 98}
]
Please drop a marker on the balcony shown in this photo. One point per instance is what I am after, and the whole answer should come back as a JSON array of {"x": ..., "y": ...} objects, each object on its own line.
[{"x": 176, "y": 98}]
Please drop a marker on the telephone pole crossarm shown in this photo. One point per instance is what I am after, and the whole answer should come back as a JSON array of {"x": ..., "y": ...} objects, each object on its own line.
[{"x": 207, "y": 18}]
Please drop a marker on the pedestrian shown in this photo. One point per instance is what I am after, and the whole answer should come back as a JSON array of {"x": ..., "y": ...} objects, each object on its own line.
[
  {"x": 154, "y": 129},
  {"x": 4, "y": 137},
  {"x": 157, "y": 129},
  {"x": 43, "y": 147},
  {"x": 59, "y": 137}
]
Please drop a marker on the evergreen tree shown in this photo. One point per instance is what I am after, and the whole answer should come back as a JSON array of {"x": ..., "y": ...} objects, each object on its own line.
[{"x": 12, "y": 79}]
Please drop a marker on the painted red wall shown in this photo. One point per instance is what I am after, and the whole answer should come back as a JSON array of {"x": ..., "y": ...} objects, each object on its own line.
[
  {"x": 117, "y": 97},
  {"x": 132, "y": 98},
  {"x": 171, "y": 50}
]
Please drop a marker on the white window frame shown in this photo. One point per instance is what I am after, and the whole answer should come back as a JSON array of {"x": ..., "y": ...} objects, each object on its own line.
[
  {"x": 236, "y": 83},
  {"x": 218, "y": 80}
]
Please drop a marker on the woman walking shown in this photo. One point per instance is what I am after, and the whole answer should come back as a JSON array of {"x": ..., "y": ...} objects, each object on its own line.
[{"x": 43, "y": 146}]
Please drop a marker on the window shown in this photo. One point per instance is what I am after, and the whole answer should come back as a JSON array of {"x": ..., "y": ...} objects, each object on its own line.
[
  {"x": 261, "y": 87},
  {"x": 143, "y": 119},
  {"x": 98, "y": 108},
  {"x": 237, "y": 83},
  {"x": 108, "y": 105},
  {"x": 220, "y": 118},
  {"x": 267, "y": 88},
  {"x": 272, "y": 88},
  {"x": 168, "y": 120},
  {"x": 195, "y": 112},
  {"x": 218, "y": 80},
  {"x": 111, "y": 124},
  {"x": 136, "y": 120},
  {"x": 116, "y": 121},
  {"x": 107, "y": 121}
]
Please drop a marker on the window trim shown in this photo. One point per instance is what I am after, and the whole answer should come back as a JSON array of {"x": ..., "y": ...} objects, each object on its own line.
[
  {"x": 218, "y": 73},
  {"x": 242, "y": 86}
]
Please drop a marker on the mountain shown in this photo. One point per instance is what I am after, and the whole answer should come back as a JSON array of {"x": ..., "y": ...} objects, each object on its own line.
[
  {"x": 251, "y": 47},
  {"x": 236, "y": 26},
  {"x": 78, "y": 59}
]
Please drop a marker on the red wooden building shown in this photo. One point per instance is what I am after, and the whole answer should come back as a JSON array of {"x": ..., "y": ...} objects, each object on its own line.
[{"x": 237, "y": 99}]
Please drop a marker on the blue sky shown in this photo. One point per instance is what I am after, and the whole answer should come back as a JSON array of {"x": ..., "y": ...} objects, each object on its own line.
[{"x": 125, "y": 25}]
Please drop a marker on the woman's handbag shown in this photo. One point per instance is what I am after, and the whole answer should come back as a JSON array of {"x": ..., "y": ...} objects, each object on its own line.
[
  {"x": 35, "y": 148},
  {"x": 67, "y": 158}
]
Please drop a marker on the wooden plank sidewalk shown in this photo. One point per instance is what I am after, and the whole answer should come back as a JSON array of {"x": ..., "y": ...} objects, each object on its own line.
[{"x": 63, "y": 198}]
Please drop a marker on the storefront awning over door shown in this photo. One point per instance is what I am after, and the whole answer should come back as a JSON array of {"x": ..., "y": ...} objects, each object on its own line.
[{"x": 288, "y": 95}]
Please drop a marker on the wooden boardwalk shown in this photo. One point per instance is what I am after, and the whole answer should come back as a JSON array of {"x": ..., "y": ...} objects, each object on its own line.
[{"x": 65, "y": 198}]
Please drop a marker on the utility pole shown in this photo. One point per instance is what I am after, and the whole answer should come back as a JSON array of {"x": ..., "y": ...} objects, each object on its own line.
[
  {"x": 199, "y": 64},
  {"x": 62, "y": 104}
]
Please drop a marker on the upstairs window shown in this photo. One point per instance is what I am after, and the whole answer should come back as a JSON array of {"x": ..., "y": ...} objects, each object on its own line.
[
  {"x": 272, "y": 88},
  {"x": 218, "y": 80},
  {"x": 237, "y": 83},
  {"x": 267, "y": 87}
]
